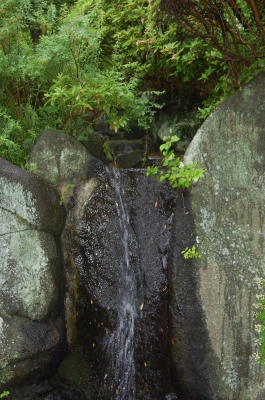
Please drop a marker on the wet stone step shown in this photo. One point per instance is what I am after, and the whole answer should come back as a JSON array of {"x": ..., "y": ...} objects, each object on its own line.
[
  {"x": 154, "y": 159},
  {"x": 125, "y": 146},
  {"x": 129, "y": 160}
]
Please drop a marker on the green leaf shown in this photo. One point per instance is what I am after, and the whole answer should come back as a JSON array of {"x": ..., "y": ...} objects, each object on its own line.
[{"x": 174, "y": 139}]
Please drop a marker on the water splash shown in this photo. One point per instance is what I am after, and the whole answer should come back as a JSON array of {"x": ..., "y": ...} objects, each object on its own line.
[{"x": 119, "y": 346}]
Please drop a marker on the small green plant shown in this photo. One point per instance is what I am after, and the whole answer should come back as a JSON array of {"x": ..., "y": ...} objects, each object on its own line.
[
  {"x": 4, "y": 394},
  {"x": 53, "y": 179},
  {"x": 64, "y": 192},
  {"x": 31, "y": 167},
  {"x": 178, "y": 174},
  {"x": 107, "y": 152},
  {"x": 191, "y": 252}
]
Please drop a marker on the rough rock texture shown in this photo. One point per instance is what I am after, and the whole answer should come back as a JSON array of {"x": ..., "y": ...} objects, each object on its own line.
[
  {"x": 125, "y": 146},
  {"x": 212, "y": 299},
  {"x": 98, "y": 146},
  {"x": 129, "y": 160},
  {"x": 24, "y": 194},
  {"x": 62, "y": 160},
  {"x": 125, "y": 153},
  {"x": 97, "y": 286},
  {"x": 170, "y": 122},
  {"x": 31, "y": 277}
]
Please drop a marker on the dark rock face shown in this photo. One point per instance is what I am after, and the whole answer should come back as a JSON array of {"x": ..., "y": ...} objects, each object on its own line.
[
  {"x": 212, "y": 299},
  {"x": 129, "y": 160},
  {"x": 112, "y": 276},
  {"x": 171, "y": 122},
  {"x": 32, "y": 333},
  {"x": 125, "y": 146},
  {"x": 96, "y": 143},
  {"x": 125, "y": 153},
  {"x": 171, "y": 396}
]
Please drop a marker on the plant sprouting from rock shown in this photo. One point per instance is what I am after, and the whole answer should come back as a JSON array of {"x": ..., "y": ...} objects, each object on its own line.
[
  {"x": 4, "y": 394},
  {"x": 191, "y": 252},
  {"x": 65, "y": 191},
  {"x": 175, "y": 171}
]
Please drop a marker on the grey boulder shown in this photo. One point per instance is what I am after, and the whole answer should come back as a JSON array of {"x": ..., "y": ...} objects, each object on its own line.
[
  {"x": 61, "y": 160},
  {"x": 31, "y": 277},
  {"x": 212, "y": 304}
]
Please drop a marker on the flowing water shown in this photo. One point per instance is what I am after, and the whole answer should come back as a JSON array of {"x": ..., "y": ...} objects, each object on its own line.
[
  {"x": 119, "y": 346},
  {"x": 119, "y": 246}
]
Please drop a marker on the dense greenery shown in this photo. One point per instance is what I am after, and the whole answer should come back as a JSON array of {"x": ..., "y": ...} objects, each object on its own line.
[
  {"x": 68, "y": 65},
  {"x": 233, "y": 30}
]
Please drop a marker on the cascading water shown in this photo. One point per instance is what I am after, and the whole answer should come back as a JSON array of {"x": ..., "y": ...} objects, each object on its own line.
[
  {"x": 119, "y": 243},
  {"x": 119, "y": 346}
]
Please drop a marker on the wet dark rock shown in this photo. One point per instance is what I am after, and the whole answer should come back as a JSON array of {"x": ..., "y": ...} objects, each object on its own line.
[
  {"x": 98, "y": 145},
  {"x": 154, "y": 159},
  {"x": 126, "y": 153},
  {"x": 129, "y": 160},
  {"x": 125, "y": 146},
  {"x": 171, "y": 396},
  {"x": 102, "y": 127},
  {"x": 47, "y": 390},
  {"x": 95, "y": 261}
]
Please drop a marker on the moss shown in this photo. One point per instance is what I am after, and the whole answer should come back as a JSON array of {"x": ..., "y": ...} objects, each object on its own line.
[{"x": 106, "y": 151}]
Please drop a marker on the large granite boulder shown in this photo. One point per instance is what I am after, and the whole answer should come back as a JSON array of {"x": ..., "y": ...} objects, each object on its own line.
[
  {"x": 212, "y": 299},
  {"x": 31, "y": 278},
  {"x": 61, "y": 160}
]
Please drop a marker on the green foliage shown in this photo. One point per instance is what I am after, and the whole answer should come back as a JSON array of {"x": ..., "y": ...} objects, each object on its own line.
[
  {"x": 18, "y": 134},
  {"x": 107, "y": 152},
  {"x": 139, "y": 40},
  {"x": 191, "y": 252},
  {"x": 4, "y": 394},
  {"x": 71, "y": 64},
  {"x": 94, "y": 93},
  {"x": 22, "y": 81},
  {"x": 32, "y": 167},
  {"x": 233, "y": 33},
  {"x": 178, "y": 174},
  {"x": 57, "y": 68}
]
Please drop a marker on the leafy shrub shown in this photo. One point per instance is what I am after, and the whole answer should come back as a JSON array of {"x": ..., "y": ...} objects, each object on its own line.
[
  {"x": 176, "y": 172},
  {"x": 69, "y": 65}
]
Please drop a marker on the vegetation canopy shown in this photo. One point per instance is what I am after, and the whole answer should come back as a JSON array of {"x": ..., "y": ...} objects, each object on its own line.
[{"x": 68, "y": 65}]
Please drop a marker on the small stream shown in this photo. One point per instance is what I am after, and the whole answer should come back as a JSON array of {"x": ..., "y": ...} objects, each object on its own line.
[
  {"x": 120, "y": 247},
  {"x": 119, "y": 346}
]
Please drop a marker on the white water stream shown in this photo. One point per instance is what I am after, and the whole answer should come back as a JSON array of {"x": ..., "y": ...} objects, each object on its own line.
[{"x": 120, "y": 344}]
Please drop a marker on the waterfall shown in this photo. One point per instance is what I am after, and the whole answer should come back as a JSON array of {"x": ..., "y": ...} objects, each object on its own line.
[
  {"x": 119, "y": 346},
  {"x": 119, "y": 244}
]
